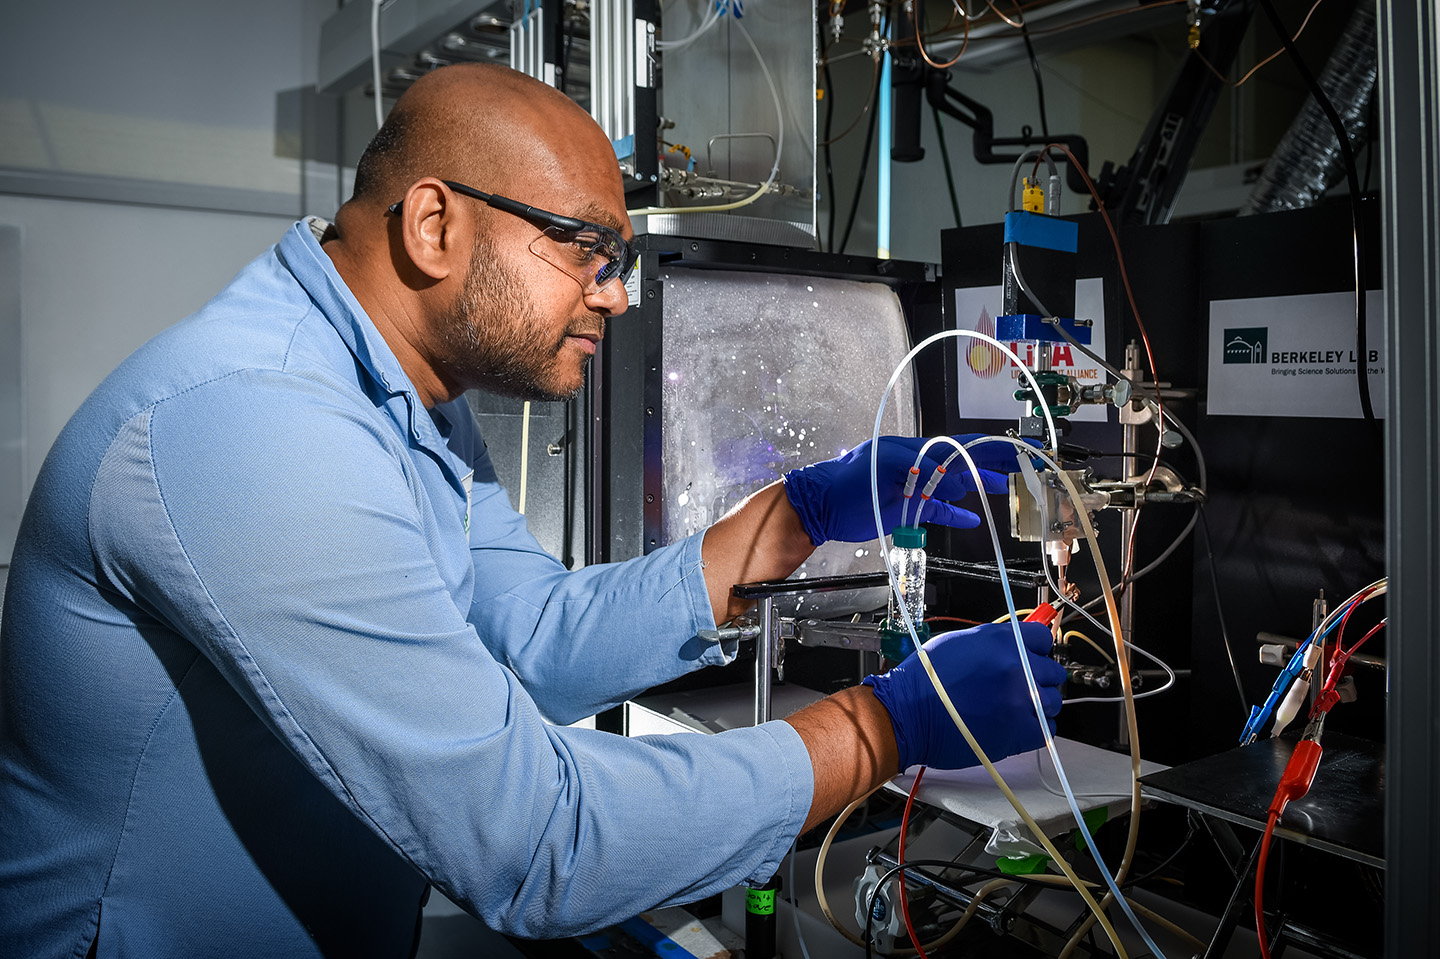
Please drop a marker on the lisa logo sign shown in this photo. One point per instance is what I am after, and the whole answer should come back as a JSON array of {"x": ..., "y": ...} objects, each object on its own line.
[
  {"x": 985, "y": 361},
  {"x": 1246, "y": 344}
]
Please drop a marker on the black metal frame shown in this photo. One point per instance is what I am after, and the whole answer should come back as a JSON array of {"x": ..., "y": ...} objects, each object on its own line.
[{"x": 1410, "y": 126}]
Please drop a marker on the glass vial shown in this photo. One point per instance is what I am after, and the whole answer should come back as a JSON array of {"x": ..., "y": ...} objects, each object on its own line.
[{"x": 906, "y": 557}]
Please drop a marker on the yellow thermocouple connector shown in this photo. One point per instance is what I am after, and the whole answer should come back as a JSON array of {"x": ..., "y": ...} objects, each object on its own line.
[{"x": 1033, "y": 197}]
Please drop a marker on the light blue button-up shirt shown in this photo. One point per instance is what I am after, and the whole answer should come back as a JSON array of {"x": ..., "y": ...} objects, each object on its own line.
[{"x": 277, "y": 652}]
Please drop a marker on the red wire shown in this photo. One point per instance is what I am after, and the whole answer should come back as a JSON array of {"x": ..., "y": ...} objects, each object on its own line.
[
  {"x": 1260, "y": 884},
  {"x": 1294, "y": 783},
  {"x": 1340, "y": 633},
  {"x": 900, "y": 876},
  {"x": 1342, "y": 656}
]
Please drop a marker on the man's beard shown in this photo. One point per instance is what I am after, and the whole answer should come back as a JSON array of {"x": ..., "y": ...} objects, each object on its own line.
[{"x": 494, "y": 339}]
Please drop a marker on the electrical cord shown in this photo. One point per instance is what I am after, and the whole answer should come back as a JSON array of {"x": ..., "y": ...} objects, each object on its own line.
[
  {"x": 1294, "y": 783},
  {"x": 1259, "y": 714},
  {"x": 1190, "y": 831},
  {"x": 1220, "y": 607},
  {"x": 1256, "y": 68},
  {"x": 1039, "y": 81},
  {"x": 900, "y": 855},
  {"x": 1352, "y": 179}
]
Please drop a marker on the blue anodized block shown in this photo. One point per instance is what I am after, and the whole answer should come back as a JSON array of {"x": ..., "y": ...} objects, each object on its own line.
[{"x": 1031, "y": 326}]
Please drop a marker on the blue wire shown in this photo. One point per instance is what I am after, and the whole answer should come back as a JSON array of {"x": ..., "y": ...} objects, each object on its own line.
[{"x": 1259, "y": 714}]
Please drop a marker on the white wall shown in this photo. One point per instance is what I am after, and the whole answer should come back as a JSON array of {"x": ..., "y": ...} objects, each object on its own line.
[
  {"x": 98, "y": 280},
  {"x": 148, "y": 150}
]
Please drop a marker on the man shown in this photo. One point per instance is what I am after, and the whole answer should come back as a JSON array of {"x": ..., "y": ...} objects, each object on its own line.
[{"x": 277, "y": 653}]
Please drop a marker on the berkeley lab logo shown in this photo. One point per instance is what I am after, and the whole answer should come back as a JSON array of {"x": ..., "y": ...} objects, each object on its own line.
[{"x": 1246, "y": 344}]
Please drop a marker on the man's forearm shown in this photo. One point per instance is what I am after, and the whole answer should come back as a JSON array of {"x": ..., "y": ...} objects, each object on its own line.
[
  {"x": 852, "y": 748},
  {"x": 761, "y": 539}
]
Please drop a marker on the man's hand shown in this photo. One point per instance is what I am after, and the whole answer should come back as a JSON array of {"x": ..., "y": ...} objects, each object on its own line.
[
  {"x": 832, "y": 498},
  {"x": 981, "y": 670}
]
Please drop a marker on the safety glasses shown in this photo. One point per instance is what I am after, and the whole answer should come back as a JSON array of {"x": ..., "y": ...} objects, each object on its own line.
[{"x": 591, "y": 253}]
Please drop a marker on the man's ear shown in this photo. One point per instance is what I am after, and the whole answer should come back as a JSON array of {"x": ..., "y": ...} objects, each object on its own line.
[{"x": 428, "y": 227}]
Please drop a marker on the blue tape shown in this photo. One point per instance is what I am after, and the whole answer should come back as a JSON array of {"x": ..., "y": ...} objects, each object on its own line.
[{"x": 1036, "y": 229}]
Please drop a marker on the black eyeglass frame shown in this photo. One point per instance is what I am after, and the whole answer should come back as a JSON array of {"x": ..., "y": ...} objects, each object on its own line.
[{"x": 625, "y": 255}]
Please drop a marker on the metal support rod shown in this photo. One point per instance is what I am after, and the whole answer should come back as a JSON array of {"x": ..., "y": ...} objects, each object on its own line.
[
  {"x": 1129, "y": 445},
  {"x": 764, "y": 656},
  {"x": 1239, "y": 898}
]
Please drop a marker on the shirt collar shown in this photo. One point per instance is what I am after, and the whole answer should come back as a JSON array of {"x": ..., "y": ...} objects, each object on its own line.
[{"x": 314, "y": 270}]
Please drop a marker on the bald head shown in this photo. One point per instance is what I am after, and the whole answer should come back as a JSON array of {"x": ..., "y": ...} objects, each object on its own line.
[
  {"x": 455, "y": 282},
  {"x": 485, "y": 125}
]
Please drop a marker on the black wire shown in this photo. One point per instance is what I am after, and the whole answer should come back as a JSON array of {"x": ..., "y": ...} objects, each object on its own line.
[
  {"x": 1189, "y": 835},
  {"x": 1204, "y": 526},
  {"x": 829, "y": 117},
  {"x": 864, "y": 160},
  {"x": 945, "y": 158},
  {"x": 1039, "y": 83},
  {"x": 1353, "y": 179}
]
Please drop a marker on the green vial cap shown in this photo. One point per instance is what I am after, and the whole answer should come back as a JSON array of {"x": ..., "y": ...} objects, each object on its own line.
[{"x": 908, "y": 537}]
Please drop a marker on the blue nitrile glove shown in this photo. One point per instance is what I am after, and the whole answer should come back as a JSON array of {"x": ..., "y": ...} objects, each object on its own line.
[
  {"x": 833, "y": 497},
  {"x": 980, "y": 669}
]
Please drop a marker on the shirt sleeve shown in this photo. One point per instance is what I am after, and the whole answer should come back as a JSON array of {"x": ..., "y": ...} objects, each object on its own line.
[
  {"x": 278, "y": 524},
  {"x": 580, "y": 640}
]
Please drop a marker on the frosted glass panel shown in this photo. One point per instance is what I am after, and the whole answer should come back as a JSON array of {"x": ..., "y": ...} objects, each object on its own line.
[{"x": 763, "y": 373}]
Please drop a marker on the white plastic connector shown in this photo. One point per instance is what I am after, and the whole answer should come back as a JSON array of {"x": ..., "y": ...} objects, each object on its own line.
[
  {"x": 1289, "y": 707},
  {"x": 1273, "y": 654}
]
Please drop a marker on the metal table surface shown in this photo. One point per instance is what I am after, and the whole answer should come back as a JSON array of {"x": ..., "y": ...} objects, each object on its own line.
[{"x": 1343, "y": 813}]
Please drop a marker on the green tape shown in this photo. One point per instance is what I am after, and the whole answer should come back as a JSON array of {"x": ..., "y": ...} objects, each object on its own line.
[
  {"x": 760, "y": 902},
  {"x": 1094, "y": 819},
  {"x": 1022, "y": 865}
]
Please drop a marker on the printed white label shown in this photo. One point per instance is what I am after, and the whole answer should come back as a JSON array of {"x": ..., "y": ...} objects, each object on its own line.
[
  {"x": 988, "y": 379},
  {"x": 1294, "y": 356}
]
